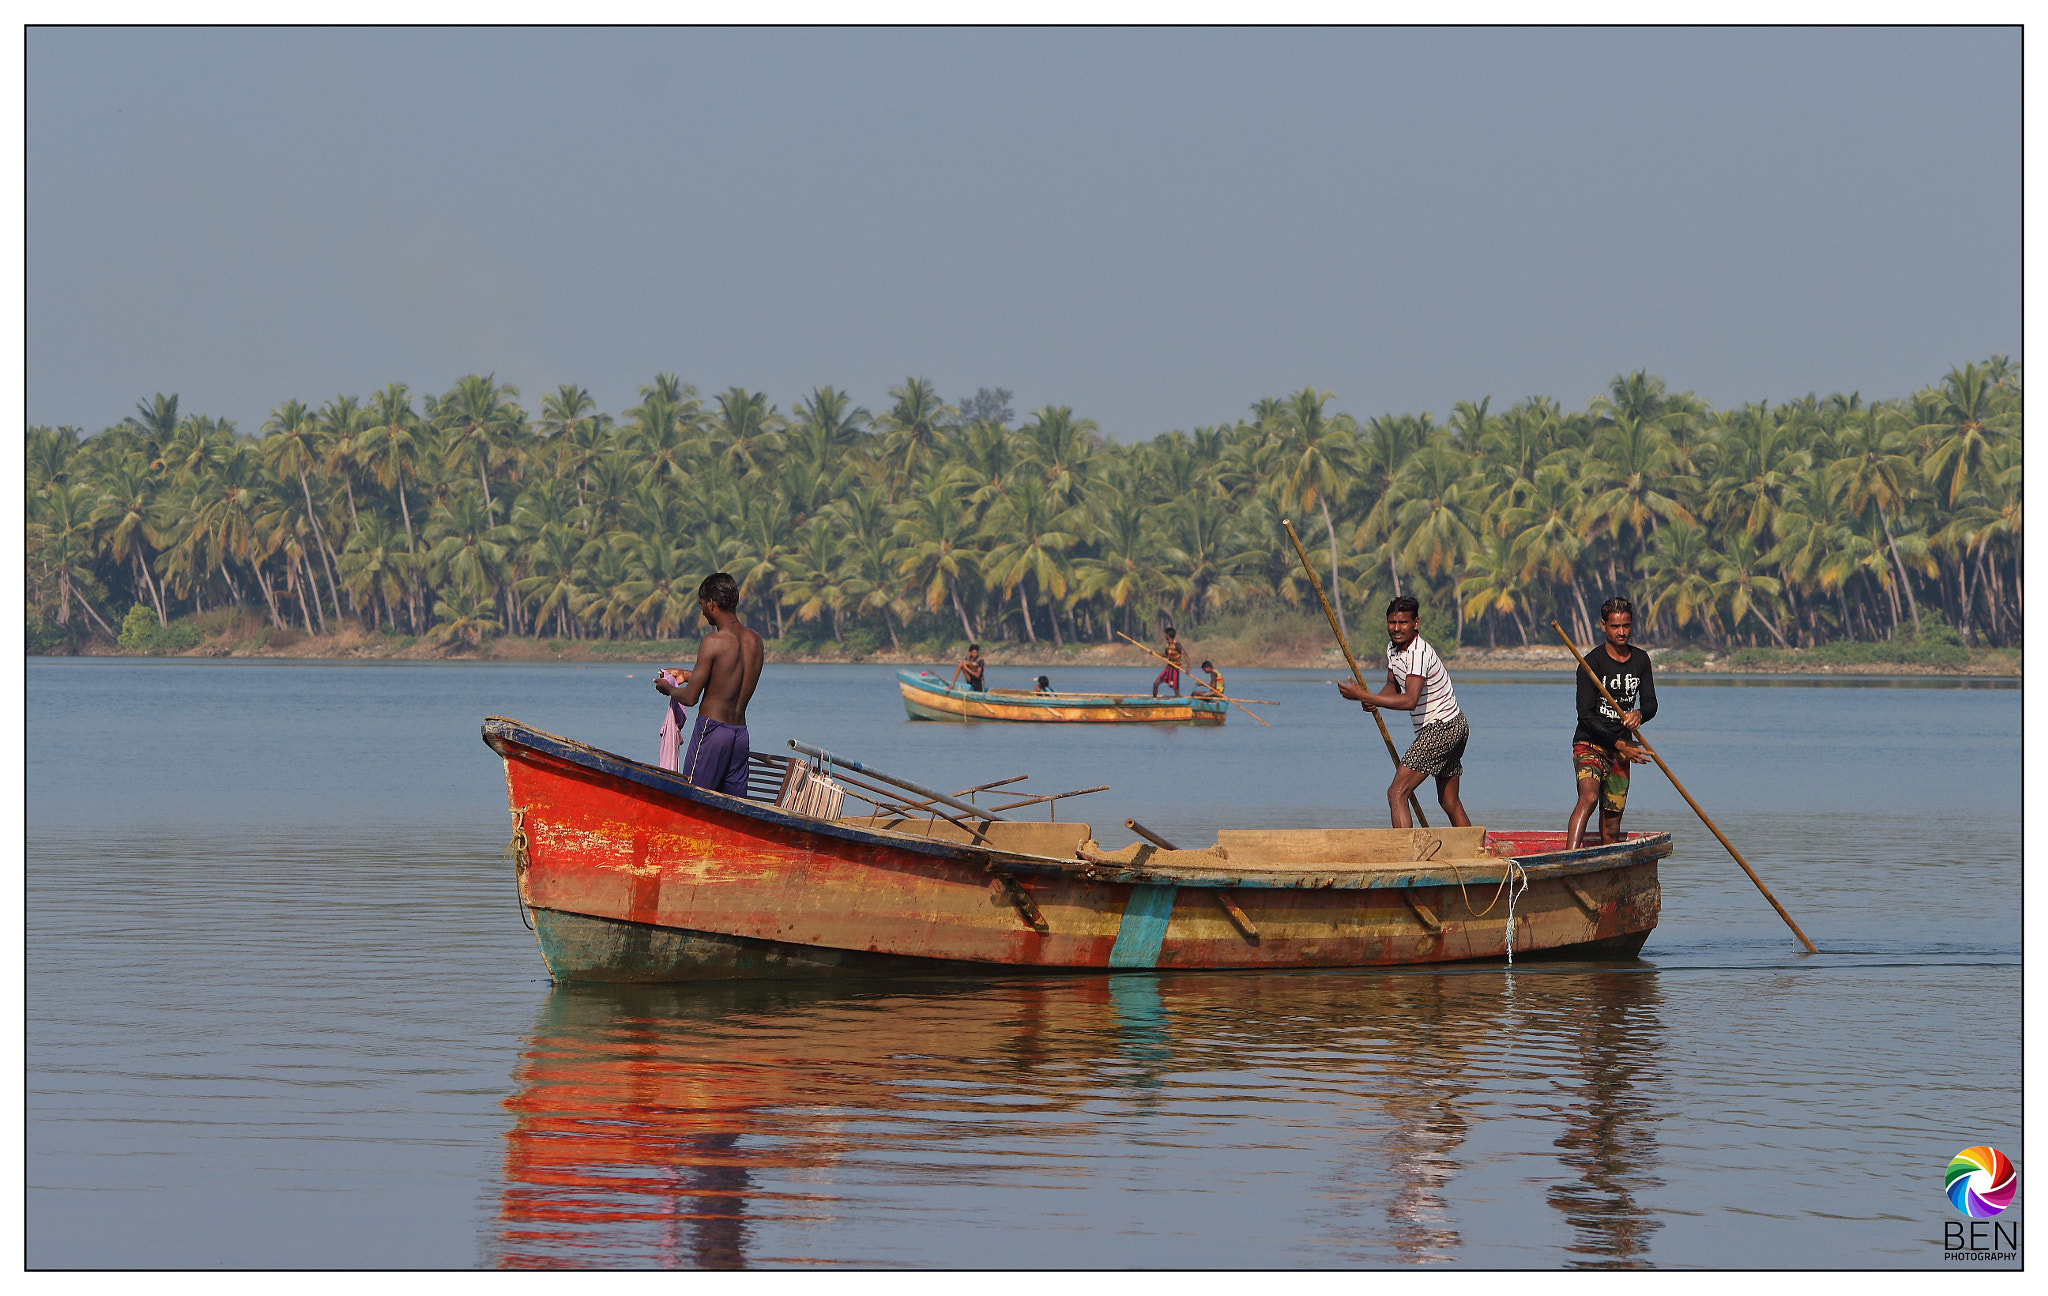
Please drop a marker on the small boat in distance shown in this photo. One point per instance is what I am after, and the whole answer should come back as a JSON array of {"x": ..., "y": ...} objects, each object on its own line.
[
  {"x": 927, "y": 697},
  {"x": 630, "y": 874}
]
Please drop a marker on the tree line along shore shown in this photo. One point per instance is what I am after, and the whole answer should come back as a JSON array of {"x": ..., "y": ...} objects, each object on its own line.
[{"x": 1841, "y": 531}]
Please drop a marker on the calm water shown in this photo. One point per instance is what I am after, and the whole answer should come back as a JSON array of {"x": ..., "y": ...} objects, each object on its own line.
[{"x": 282, "y": 1010}]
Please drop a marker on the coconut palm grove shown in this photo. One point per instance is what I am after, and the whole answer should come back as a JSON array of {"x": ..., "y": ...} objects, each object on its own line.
[{"x": 465, "y": 515}]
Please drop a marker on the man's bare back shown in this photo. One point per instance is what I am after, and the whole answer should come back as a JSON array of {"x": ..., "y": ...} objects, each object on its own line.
[{"x": 728, "y": 667}]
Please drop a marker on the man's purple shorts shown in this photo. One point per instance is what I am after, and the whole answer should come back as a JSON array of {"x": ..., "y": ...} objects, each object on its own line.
[{"x": 717, "y": 758}]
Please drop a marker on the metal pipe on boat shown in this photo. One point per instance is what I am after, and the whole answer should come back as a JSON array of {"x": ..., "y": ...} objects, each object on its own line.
[{"x": 820, "y": 753}]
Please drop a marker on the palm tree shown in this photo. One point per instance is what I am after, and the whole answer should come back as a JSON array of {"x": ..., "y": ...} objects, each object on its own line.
[
  {"x": 1126, "y": 565},
  {"x": 155, "y": 420},
  {"x": 479, "y": 422},
  {"x": 390, "y": 447},
  {"x": 1381, "y": 452},
  {"x": 938, "y": 534},
  {"x": 1032, "y": 533},
  {"x": 1060, "y": 444},
  {"x": 1493, "y": 582},
  {"x": 1962, "y": 434},
  {"x": 294, "y": 445},
  {"x": 67, "y": 543},
  {"x": 747, "y": 428},
  {"x": 1547, "y": 534},
  {"x": 464, "y": 546},
  {"x": 1680, "y": 569},
  {"x": 1308, "y": 467},
  {"x": 1873, "y": 472},
  {"x": 662, "y": 586},
  {"x": 913, "y": 425},
  {"x": 125, "y": 515},
  {"x": 812, "y": 584},
  {"x": 466, "y": 617},
  {"x": 377, "y": 569}
]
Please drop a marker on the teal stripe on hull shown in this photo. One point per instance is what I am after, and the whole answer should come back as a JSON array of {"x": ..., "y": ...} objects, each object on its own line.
[{"x": 1143, "y": 927}]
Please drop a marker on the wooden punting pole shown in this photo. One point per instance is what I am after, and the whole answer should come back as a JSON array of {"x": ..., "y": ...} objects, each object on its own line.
[
  {"x": 1595, "y": 677},
  {"x": 1414, "y": 803}
]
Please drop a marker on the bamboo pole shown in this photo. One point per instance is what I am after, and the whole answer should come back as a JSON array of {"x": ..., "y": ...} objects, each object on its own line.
[
  {"x": 1184, "y": 670},
  {"x": 1414, "y": 803},
  {"x": 1736, "y": 854}
]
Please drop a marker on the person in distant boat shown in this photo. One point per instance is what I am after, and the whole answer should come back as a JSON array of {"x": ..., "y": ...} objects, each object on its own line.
[
  {"x": 1418, "y": 683},
  {"x": 1045, "y": 686},
  {"x": 973, "y": 668},
  {"x": 1214, "y": 688},
  {"x": 1601, "y": 752},
  {"x": 1176, "y": 658},
  {"x": 719, "y": 685}
]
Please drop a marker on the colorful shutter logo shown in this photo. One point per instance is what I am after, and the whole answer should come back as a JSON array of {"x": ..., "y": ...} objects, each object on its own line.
[{"x": 1981, "y": 1182}]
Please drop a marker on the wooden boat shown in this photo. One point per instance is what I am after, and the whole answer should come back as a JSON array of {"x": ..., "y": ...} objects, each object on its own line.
[
  {"x": 927, "y": 697},
  {"x": 631, "y": 874}
]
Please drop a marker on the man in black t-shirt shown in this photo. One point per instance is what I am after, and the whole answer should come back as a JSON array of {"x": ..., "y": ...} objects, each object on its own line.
[{"x": 1601, "y": 752}]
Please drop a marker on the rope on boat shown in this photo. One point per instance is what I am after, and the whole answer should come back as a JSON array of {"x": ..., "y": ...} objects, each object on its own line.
[
  {"x": 516, "y": 851},
  {"x": 1517, "y": 874}
]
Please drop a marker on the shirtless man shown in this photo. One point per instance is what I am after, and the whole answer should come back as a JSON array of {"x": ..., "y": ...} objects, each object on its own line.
[{"x": 727, "y": 669}]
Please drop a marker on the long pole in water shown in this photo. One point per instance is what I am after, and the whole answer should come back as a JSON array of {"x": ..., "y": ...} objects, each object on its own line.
[
  {"x": 1352, "y": 662},
  {"x": 1185, "y": 671},
  {"x": 1736, "y": 854}
]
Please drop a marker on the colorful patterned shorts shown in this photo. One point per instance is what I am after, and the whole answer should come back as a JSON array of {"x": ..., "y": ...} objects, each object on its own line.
[
  {"x": 1609, "y": 769},
  {"x": 1439, "y": 748}
]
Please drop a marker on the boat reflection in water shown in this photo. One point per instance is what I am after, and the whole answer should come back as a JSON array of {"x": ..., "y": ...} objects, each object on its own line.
[{"x": 1188, "y": 1120}]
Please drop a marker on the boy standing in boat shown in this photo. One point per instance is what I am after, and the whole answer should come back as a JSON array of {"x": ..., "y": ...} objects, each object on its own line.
[
  {"x": 1176, "y": 658},
  {"x": 1601, "y": 752},
  {"x": 1419, "y": 684},
  {"x": 722, "y": 681},
  {"x": 973, "y": 668}
]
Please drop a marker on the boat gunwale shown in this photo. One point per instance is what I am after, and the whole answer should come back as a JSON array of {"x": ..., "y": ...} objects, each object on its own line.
[{"x": 499, "y": 732}]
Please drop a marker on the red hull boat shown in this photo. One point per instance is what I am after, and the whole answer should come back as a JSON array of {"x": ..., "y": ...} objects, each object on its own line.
[{"x": 630, "y": 874}]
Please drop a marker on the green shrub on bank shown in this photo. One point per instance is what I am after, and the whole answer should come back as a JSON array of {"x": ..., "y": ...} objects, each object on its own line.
[
  {"x": 47, "y": 640},
  {"x": 141, "y": 634},
  {"x": 1935, "y": 644}
]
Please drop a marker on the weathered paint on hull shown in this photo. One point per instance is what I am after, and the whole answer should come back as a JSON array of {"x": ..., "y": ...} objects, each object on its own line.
[
  {"x": 582, "y": 949},
  {"x": 705, "y": 885},
  {"x": 953, "y": 704}
]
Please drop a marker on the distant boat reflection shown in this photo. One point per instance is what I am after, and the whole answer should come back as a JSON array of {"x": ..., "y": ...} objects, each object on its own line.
[{"x": 757, "y": 1124}]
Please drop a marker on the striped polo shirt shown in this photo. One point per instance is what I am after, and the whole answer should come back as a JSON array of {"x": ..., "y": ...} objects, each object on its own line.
[{"x": 1438, "y": 701}]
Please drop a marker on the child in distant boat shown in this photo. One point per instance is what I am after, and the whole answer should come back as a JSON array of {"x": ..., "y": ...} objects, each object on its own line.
[
  {"x": 1214, "y": 688},
  {"x": 973, "y": 668},
  {"x": 1176, "y": 658},
  {"x": 1045, "y": 686}
]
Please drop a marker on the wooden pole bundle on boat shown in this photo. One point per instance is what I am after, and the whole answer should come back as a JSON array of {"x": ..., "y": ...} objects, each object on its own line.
[
  {"x": 1413, "y": 802},
  {"x": 1184, "y": 670},
  {"x": 1718, "y": 835}
]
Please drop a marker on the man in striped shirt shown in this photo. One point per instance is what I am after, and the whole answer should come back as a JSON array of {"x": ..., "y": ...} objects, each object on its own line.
[{"x": 1418, "y": 683}]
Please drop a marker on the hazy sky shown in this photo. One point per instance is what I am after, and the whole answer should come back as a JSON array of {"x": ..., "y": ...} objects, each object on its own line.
[{"x": 1154, "y": 227}]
